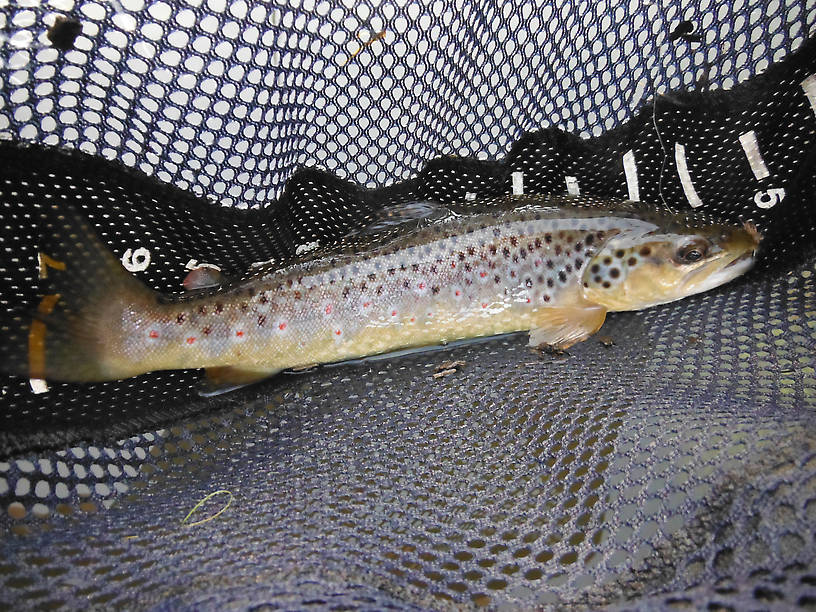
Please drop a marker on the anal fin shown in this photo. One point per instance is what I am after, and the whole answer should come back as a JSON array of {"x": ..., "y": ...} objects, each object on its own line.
[
  {"x": 560, "y": 328},
  {"x": 229, "y": 378}
]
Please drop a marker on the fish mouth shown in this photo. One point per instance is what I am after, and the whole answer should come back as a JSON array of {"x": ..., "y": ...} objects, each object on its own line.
[
  {"x": 748, "y": 256},
  {"x": 734, "y": 268}
]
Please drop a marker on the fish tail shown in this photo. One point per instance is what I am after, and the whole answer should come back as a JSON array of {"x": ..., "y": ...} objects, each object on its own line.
[{"x": 70, "y": 333}]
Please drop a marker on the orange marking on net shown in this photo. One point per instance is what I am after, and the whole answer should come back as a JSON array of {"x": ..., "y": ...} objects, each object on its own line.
[
  {"x": 36, "y": 337},
  {"x": 48, "y": 262}
]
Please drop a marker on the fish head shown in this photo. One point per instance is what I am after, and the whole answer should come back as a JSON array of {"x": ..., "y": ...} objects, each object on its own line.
[{"x": 638, "y": 269}]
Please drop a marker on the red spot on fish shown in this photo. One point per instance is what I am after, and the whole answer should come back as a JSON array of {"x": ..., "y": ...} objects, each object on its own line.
[
  {"x": 413, "y": 319},
  {"x": 453, "y": 264},
  {"x": 393, "y": 313},
  {"x": 329, "y": 309},
  {"x": 421, "y": 285},
  {"x": 190, "y": 340},
  {"x": 482, "y": 274},
  {"x": 458, "y": 293},
  {"x": 338, "y": 332},
  {"x": 153, "y": 334},
  {"x": 528, "y": 300},
  {"x": 282, "y": 326},
  {"x": 239, "y": 334},
  {"x": 366, "y": 304},
  {"x": 484, "y": 305}
]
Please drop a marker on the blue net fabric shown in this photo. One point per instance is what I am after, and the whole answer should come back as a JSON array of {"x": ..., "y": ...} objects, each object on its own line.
[{"x": 671, "y": 463}]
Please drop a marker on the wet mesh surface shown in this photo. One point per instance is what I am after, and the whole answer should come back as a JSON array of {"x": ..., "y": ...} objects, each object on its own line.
[{"x": 667, "y": 462}]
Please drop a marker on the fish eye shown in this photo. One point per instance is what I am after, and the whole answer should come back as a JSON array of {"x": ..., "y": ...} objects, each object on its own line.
[{"x": 692, "y": 252}]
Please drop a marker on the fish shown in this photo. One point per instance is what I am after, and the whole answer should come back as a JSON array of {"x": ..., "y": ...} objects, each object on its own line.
[{"x": 553, "y": 266}]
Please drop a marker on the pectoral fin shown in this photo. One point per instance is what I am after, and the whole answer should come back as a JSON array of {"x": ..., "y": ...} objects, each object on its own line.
[
  {"x": 224, "y": 379},
  {"x": 560, "y": 328}
]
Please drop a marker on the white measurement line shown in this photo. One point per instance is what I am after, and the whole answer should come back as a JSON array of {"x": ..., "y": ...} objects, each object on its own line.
[
  {"x": 518, "y": 183},
  {"x": 572, "y": 185},
  {"x": 685, "y": 177},
  {"x": 809, "y": 85},
  {"x": 749, "y": 143},
  {"x": 38, "y": 385},
  {"x": 630, "y": 169}
]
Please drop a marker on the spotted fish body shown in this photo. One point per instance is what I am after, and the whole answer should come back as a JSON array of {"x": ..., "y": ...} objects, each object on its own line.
[{"x": 526, "y": 266}]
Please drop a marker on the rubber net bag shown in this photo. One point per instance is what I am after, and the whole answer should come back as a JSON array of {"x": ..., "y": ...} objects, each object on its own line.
[{"x": 667, "y": 462}]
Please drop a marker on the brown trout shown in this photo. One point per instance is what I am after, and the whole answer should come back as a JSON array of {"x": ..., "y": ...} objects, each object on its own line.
[{"x": 554, "y": 266}]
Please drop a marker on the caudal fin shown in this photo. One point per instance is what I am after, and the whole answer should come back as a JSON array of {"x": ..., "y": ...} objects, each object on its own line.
[{"x": 66, "y": 336}]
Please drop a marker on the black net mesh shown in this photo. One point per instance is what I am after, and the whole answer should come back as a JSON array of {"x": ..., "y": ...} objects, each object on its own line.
[{"x": 668, "y": 462}]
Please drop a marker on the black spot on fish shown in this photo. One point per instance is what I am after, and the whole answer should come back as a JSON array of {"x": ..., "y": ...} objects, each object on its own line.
[
  {"x": 550, "y": 282},
  {"x": 530, "y": 247},
  {"x": 406, "y": 284},
  {"x": 595, "y": 268},
  {"x": 261, "y": 320},
  {"x": 589, "y": 239},
  {"x": 415, "y": 267},
  {"x": 523, "y": 254},
  {"x": 496, "y": 231},
  {"x": 528, "y": 282},
  {"x": 497, "y": 278},
  {"x": 579, "y": 262},
  {"x": 392, "y": 270},
  {"x": 620, "y": 253},
  {"x": 506, "y": 252},
  {"x": 557, "y": 249},
  {"x": 645, "y": 251},
  {"x": 219, "y": 308},
  {"x": 538, "y": 243},
  {"x": 434, "y": 289},
  {"x": 467, "y": 266},
  {"x": 493, "y": 249},
  {"x": 379, "y": 290},
  {"x": 513, "y": 241},
  {"x": 515, "y": 258},
  {"x": 548, "y": 238},
  {"x": 562, "y": 276},
  {"x": 607, "y": 261},
  {"x": 206, "y": 331},
  {"x": 263, "y": 299},
  {"x": 180, "y": 318},
  {"x": 461, "y": 256},
  {"x": 606, "y": 285},
  {"x": 202, "y": 309},
  {"x": 345, "y": 291},
  {"x": 550, "y": 264},
  {"x": 597, "y": 279},
  {"x": 546, "y": 298},
  {"x": 614, "y": 273},
  {"x": 568, "y": 268},
  {"x": 540, "y": 279},
  {"x": 631, "y": 262},
  {"x": 372, "y": 277},
  {"x": 471, "y": 250}
]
